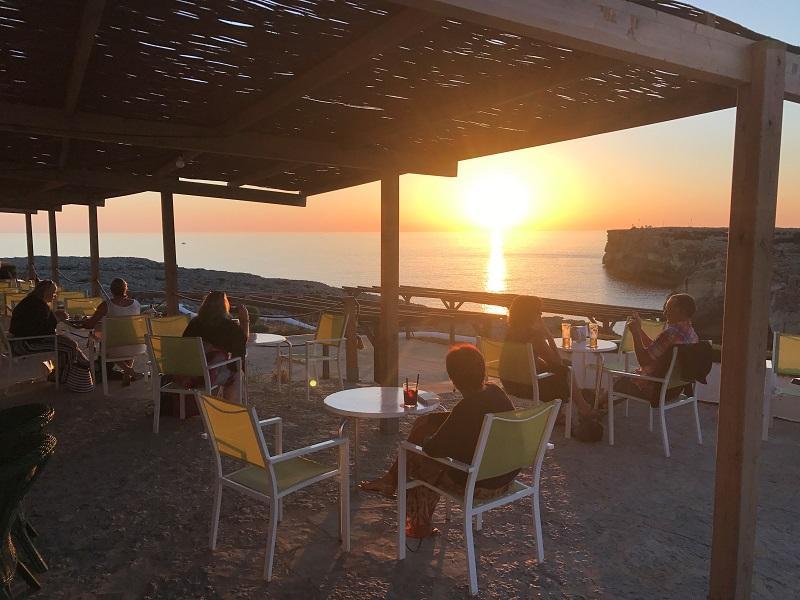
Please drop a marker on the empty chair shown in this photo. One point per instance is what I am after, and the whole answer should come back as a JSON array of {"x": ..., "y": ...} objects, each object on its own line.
[
  {"x": 508, "y": 441},
  {"x": 11, "y": 299},
  {"x": 235, "y": 431},
  {"x": 82, "y": 307},
  {"x": 14, "y": 360},
  {"x": 328, "y": 337},
  {"x": 785, "y": 363},
  {"x": 182, "y": 362},
  {"x": 171, "y": 326}
]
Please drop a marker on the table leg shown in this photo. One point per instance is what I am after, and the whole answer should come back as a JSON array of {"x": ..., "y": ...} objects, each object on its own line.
[{"x": 354, "y": 445}]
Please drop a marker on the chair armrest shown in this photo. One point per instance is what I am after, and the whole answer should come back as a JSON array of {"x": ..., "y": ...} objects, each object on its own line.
[
  {"x": 278, "y": 422},
  {"x": 270, "y": 421},
  {"x": 300, "y": 338},
  {"x": 227, "y": 362},
  {"x": 544, "y": 375},
  {"x": 450, "y": 462},
  {"x": 328, "y": 341},
  {"x": 615, "y": 373},
  {"x": 309, "y": 450},
  {"x": 12, "y": 338}
]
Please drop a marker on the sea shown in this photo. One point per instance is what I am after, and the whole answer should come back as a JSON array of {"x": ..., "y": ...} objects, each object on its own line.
[{"x": 551, "y": 264}]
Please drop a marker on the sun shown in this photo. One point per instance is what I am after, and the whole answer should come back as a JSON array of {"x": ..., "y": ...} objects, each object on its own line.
[{"x": 496, "y": 200}]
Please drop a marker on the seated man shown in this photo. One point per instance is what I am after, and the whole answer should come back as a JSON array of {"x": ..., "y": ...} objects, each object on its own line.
[
  {"x": 678, "y": 311},
  {"x": 454, "y": 435}
]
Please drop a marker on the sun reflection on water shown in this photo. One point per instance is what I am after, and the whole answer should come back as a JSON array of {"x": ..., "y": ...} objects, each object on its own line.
[{"x": 496, "y": 270}]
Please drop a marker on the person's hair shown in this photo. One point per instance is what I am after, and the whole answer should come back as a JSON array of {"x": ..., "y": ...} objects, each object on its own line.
[
  {"x": 44, "y": 286},
  {"x": 466, "y": 367},
  {"x": 524, "y": 310},
  {"x": 685, "y": 304},
  {"x": 118, "y": 286},
  {"x": 215, "y": 306}
]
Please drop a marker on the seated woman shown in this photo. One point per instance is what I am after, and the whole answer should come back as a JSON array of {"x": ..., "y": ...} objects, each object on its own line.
[
  {"x": 525, "y": 326},
  {"x": 120, "y": 305},
  {"x": 32, "y": 317},
  {"x": 454, "y": 435},
  {"x": 222, "y": 339}
]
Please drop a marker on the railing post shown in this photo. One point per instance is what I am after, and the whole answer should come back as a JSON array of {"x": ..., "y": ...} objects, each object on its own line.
[
  {"x": 351, "y": 333},
  {"x": 51, "y": 219},
  {"x": 390, "y": 289},
  {"x": 29, "y": 236},
  {"x": 170, "y": 254}
]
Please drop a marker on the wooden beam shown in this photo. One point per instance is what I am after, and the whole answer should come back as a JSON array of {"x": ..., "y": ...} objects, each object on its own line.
[
  {"x": 51, "y": 219},
  {"x": 390, "y": 288},
  {"x": 156, "y": 134},
  {"x": 615, "y": 29},
  {"x": 792, "y": 77},
  {"x": 29, "y": 239},
  {"x": 94, "y": 252},
  {"x": 746, "y": 320},
  {"x": 170, "y": 254},
  {"x": 90, "y": 23},
  {"x": 123, "y": 183}
]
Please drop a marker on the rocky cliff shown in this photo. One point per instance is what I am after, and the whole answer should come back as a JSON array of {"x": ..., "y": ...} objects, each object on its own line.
[{"x": 693, "y": 260}]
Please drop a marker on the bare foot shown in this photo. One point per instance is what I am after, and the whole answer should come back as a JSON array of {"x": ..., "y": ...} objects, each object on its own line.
[{"x": 380, "y": 486}]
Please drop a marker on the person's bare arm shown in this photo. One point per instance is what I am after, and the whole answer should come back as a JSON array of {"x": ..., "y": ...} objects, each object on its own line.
[
  {"x": 639, "y": 343},
  {"x": 100, "y": 312},
  {"x": 244, "y": 319}
]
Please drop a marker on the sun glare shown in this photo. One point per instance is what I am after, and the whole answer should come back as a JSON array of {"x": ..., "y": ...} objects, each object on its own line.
[{"x": 496, "y": 200}]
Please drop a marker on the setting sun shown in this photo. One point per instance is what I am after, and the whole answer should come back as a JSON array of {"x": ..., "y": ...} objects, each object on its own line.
[{"x": 496, "y": 200}]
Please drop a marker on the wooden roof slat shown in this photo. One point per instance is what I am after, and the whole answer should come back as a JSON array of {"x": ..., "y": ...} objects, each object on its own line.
[{"x": 156, "y": 134}]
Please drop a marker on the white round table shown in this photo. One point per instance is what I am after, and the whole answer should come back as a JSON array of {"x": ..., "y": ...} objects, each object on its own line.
[
  {"x": 579, "y": 353},
  {"x": 272, "y": 340},
  {"x": 375, "y": 403}
]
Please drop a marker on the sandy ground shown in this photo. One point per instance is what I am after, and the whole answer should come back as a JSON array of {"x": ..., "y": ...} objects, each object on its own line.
[{"x": 125, "y": 514}]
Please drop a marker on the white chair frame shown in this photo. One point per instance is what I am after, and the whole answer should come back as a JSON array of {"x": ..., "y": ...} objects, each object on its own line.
[
  {"x": 311, "y": 358},
  {"x": 536, "y": 376},
  {"x": 663, "y": 404},
  {"x": 13, "y": 359},
  {"x": 275, "y": 497},
  {"x": 157, "y": 388},
  {"x": 466, "y": 502},
  {"x": 104, "y": 359}
]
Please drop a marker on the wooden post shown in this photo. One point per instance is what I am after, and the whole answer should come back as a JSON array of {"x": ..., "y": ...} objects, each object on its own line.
[
  {"x": 170, "y": 255},
  {"x": 51, "y": 217},
  {"x": 351, "y": 333},
  {"x": 29, "y": 235},
  {"x": 390, "y": 288},
  {"x": 748, "y": 276},
  {"x": 94, "y": 251}
]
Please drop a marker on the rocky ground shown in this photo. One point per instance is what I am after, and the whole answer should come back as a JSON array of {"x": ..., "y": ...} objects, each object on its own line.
[
  {"x": 124, "y": 514},
  {"x": 693, "y": 260}
]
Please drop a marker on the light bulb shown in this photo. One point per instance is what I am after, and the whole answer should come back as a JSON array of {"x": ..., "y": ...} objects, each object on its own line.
[{"x": 312, "y": 382}]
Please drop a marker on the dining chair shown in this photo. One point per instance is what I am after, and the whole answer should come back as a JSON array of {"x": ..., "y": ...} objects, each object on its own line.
[
  {"x": 235, "y": 432},
  {"x": 14, "y": 358},
  {"x": 121, "y": 333},
  {"x": 182, "y": 362},
  {"x": 172, "y": 326},
  {"x": 508, "y": 441},
  {"x": 515, "y": 363},
  {"x": 315, "y": 350},
  {"x": 785, "y": 363},
  {"x": 672, "y": 384},
  {"x": 11, "y": 299},
  {"x": 82, "y": 307}
]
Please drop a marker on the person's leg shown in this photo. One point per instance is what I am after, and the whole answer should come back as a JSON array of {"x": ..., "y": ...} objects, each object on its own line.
[
  {"x": 230, "y": 391},
  {"x": 423, "y": 427}
]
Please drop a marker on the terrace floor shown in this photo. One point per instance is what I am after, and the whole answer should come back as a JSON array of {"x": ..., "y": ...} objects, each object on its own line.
[{"x": 124, "y": 513}]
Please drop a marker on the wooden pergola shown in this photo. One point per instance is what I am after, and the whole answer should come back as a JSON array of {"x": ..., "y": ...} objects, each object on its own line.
[{"x": 274, "y": 102}]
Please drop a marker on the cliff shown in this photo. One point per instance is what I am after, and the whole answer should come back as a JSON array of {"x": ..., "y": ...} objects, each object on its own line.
[{"x": 693, "y": 260}]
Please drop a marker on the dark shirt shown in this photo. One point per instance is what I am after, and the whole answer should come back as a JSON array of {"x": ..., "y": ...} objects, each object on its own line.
[
  {"x": 220, "y": 333},
  {"x": 32, "y": 316},
  {"x": 458, "y": 435}
]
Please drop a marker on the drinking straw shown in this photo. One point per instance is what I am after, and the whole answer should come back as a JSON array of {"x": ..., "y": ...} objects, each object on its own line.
[
  {"x": 406, "y": 382},
  {"x": 417, "y": 388}
]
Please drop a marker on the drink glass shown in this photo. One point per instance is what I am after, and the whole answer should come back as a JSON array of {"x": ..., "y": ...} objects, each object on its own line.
[
  {"x": 410, "y": 394},
  {"x": 594, "y": 331},
  {"x": 566, "y": 335}
]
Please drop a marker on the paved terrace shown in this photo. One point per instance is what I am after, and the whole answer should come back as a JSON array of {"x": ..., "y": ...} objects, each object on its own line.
[{"x": 124, "y": 513}]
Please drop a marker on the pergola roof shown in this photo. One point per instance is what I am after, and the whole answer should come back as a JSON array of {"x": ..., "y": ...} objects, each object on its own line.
[{"x": 101, "y": 99}]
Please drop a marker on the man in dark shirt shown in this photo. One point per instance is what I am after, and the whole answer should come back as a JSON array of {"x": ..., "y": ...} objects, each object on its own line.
[{"x": 454, "y": 435}]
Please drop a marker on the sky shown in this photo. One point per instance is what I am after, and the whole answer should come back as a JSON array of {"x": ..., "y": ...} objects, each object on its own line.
[{"x": 675, "y": 173}]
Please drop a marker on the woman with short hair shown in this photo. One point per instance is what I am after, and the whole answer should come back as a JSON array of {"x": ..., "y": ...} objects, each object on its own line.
[{"x": 34, "y": 317}]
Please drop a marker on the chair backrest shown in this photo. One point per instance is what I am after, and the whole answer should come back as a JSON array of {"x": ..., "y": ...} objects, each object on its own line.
[
  {"x": 11, "y": 299},
  {"x": 124, "y": 331},
  {"x": 651, "y": 328},
  {"x": 174, "y": 355},
  {"x": 6, "y": 284},
  {"x": 514, "y": 440},
  {"x": 172, "y": 326},
  {"x": 786, "y": 354},
  {"x": 509, "y": 361},
  {"x": 233, "y": 430},
  {"x": 84, "y": 307},
  {"x": 330, "y": 327},
  {"x": 62, "y": 295}
]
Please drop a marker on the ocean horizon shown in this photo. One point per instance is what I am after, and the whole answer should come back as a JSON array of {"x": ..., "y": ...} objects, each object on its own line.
[{"x": 552, "y": 264}]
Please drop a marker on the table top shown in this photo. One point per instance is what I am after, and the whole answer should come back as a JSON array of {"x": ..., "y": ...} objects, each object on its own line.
[
  {"x": 378, "y": 403},
  {"x": 602, "y": 346},
  {"x": 265, "y": 339}
]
